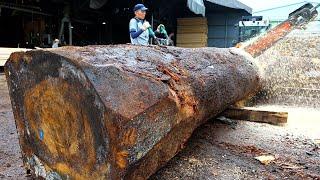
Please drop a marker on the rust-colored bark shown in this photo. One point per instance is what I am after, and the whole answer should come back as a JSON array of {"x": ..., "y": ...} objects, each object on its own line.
[{"x": 112, "y": 112}]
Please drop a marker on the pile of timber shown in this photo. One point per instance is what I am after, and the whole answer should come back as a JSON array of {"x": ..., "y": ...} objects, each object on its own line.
[
  {"x": 118, "y": 112},
  {"x": 192, "y": 32},
  {"x": 5, "y": 53}
]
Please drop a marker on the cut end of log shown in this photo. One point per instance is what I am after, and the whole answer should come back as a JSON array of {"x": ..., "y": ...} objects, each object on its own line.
[{"x": 64, "y": 120}]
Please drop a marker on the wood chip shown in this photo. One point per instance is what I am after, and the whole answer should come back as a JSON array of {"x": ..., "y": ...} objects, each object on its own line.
[
  {"x": 265, "y": 159},
  {"x": 291, "y": 166}
]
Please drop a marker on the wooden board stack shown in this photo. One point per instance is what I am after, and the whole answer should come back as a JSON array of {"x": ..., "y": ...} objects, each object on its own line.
[
  {"x": 5, "y": 53},
  {"x": 192, "y": 32}
]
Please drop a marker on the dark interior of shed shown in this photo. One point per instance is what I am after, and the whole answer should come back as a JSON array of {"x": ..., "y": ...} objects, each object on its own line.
[{"x": 36, "y": 23}]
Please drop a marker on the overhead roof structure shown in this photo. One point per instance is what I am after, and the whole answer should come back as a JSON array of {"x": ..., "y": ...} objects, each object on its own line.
[
  {"x": 198, "y": 7},
  {"x": 280, "y": 13}
]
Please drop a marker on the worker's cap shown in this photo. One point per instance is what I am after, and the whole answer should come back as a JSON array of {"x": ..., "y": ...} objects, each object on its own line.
[{"x": 139, "y": 7}]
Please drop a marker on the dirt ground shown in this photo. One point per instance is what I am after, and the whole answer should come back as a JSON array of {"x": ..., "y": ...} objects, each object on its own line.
[
  {"x": 217, "y": 150},
  {"x": 10, "y": 157}
]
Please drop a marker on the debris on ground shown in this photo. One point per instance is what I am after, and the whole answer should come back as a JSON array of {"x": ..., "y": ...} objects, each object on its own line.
[
  {"x": 291, "y": 166},
  {"x": 228, "y": 121},
  {"x": 265, "y": 159},
  {"x": 292, "y": 72}
]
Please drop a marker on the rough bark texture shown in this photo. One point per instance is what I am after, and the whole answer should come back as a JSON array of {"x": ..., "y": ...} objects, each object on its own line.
[{"x": 111, "y": 112}]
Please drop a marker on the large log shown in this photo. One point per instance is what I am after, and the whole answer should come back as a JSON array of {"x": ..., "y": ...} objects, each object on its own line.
[{"x": 112, "y": 112}]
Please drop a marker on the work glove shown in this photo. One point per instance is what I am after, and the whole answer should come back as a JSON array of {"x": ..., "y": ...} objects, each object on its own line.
[
  {"x": 145, "y": 25},
  {"x": 160, "y": 28}
]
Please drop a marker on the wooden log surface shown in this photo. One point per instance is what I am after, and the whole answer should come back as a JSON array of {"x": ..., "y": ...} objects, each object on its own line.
[{"x": 122, "y": 111}]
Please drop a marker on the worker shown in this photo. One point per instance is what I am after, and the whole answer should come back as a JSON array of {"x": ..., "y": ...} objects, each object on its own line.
[
  {"x": 138, "y": 26},
  {"x": 55, "y": 43}
]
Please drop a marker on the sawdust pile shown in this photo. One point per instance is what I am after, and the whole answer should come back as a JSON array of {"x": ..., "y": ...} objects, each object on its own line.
[{"x": 292, "y": 71}]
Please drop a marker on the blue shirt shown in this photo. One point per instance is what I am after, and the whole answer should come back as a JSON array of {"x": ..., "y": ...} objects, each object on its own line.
[{"x": 137, "y": 35}]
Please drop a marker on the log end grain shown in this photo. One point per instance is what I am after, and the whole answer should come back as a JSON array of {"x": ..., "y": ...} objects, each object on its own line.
[{"x": 58, "y": 116}]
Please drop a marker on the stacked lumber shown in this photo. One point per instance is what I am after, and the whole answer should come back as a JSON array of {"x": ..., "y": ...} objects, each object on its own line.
[
  {"x": 192, "y": 32},
  {"x": 5, "y": 53}
]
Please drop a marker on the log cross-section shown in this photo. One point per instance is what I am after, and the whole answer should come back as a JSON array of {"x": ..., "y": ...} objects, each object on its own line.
[{"x": 118, "y": 112}]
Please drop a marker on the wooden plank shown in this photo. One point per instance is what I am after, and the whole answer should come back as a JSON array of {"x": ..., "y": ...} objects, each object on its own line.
[
  {"x": 192, "y": 32},
  {"x": 192, "y": 21},
  {"x": 256, "y": 115},
  {"x": 192, "y": 45},
  {"x": 192, "y": 42},
  {"x": 192, "y": 38},
  {"x": 5, "y": 53},
  {"x": 191, "y": 29}
]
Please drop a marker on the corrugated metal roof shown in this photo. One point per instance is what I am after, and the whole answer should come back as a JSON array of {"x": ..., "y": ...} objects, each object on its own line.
[
  {"x": 281, "y": 13},
  {"x": 197, "y": 6},
  {"x": 232, "y": 4}
]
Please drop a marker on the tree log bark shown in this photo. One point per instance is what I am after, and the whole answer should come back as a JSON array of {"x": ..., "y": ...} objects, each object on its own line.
[{"x": 123, "y": 111}]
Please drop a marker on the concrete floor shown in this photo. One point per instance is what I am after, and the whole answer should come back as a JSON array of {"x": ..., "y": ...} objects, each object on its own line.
[{"x": 215, "y": 151}]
